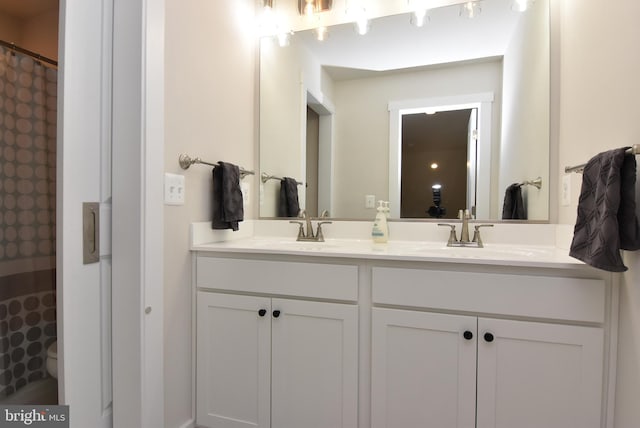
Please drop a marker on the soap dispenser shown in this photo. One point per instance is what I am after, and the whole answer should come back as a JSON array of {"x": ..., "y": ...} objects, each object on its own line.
[{"x": 380, "y": 232}]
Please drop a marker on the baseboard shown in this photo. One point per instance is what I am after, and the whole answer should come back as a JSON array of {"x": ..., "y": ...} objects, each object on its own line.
[{"x": 189, "y": 424}]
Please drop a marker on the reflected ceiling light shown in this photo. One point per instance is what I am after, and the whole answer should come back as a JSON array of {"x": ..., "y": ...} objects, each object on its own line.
[
  {"x": 357, "y": 13},
  {"x": 434, "y": 166},
  {"x": 419, "y": 15},
  {"x": 470, "y": 9},
  {"x": 521, "y": 5},
  {"x": 430, "y": 111},
  {"x": 321, "y": 33}
]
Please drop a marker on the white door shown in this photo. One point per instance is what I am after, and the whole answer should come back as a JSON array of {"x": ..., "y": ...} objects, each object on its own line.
[
  {"x": 423, "y": 370},
  {"x": 533, "y": 375},
  {"x": 84, "y": 175},
  {"x": 233, "y": 361},
  {"x": 314, "y": 365}
]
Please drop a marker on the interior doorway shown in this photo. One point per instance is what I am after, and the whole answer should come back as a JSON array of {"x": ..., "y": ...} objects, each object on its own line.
[
  {"x": 28, "y": 147},
  {"x": 435, "y": 159}
]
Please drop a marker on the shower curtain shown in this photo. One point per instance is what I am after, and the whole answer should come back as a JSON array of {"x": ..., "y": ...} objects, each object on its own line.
[{"x": 28, "y": 104}]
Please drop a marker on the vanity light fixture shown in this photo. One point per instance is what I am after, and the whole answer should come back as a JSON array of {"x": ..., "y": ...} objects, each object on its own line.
[
  {"x": 521, "y": 5},
  {"x": 311, "y": 7},
  {"x": 271, "y": 24},
  {"x": 470, "y": 9}
]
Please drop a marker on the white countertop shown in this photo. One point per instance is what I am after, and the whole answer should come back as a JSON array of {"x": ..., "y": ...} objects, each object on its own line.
[{"x": 523, "y": 255}]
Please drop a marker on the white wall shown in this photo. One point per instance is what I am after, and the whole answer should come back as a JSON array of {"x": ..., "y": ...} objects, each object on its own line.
[
  {"x": 599, "y": 92},
  {"x": 362, "y": 124},
  {"x": 210, "y": 96},
  {"x": 525, "y": 117},
  {"x": 282, "y": 117}
]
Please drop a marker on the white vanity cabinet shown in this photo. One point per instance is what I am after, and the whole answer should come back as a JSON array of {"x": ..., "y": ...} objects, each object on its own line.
[
  {"x": 494, "y": 369},
  {"x": 282, "y": 362},
  {"x": 359, "y": 340}
]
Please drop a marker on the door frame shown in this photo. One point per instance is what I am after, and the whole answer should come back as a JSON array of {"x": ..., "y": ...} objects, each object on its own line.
[
  {"x": 132, "y": 35},
  {"x": 483, "y": 102},
  {"x": 138, "y": 222}
]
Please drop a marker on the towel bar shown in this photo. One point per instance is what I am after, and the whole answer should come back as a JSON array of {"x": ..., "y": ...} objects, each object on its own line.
[
  {"x": 186, "y": 161},
  {"x": 634, "y": 150},
  {"x": 537, "y": 183},
  {"x": 266, "y": 177}
]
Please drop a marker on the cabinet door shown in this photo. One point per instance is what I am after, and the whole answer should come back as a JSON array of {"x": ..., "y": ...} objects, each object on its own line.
[
  {"x": 314, "y": 365},
  {"x": 233, "y": 361},
  {"x": 533, "y": 375},
  {"x": 423, "y": 371}
]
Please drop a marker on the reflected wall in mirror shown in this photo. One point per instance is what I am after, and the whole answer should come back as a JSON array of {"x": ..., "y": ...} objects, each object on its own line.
[{"x": 359, "y": 90}]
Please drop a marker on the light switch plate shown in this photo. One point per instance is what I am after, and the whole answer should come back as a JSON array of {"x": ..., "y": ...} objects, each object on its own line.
[
  {"x": 369, "y": 201},
  {"x": 173, "y": 189}
]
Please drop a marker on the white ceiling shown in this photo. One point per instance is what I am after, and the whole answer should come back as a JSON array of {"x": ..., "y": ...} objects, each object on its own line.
[{"x": 27, "y": 8}]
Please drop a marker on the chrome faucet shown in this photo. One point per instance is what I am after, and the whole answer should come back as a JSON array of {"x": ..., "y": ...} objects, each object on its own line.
[
  {"x": 464, "y": 241},
  {"x": 309, "y": 235}
]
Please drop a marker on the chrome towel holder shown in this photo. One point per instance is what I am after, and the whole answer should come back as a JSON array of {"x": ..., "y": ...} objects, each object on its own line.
[
  {"x": 634, "y": 150},
  {"x": 186, "y": 161}
]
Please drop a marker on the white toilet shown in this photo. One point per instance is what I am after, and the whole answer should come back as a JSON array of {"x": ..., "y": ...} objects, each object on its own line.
[{"x": 52, "y": 360}]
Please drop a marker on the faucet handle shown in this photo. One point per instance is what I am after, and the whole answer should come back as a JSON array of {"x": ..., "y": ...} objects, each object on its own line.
[
  {"x": 319, "y": 235},
  {"x": 476, "y": 234},
  {"x": 300, "y": 228},
  {"x": 452, "y": 235}
]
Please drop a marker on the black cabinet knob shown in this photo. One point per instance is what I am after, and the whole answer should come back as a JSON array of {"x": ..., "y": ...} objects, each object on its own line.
[
  {"x": 488, "y": 337},
  {"x": 467, "y": 335},
  {"x": 262, "y": 312},
  {"x": 276, "y": 313}
]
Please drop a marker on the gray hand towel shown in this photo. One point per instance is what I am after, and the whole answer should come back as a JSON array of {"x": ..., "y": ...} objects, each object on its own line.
[
  {"x": 288, "y": 205},
  {"x": 227, "y": 208},
  {"x": 513, "y": 206},
  {"x": 607, "y": 220}
]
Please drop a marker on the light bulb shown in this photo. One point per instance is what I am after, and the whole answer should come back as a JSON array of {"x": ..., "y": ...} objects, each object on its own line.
[
  {"x": 419, "y": 17},
  {"x": 309, "y": 8},
  {"x": 358, "y": 14},
  {"x": 267, "y": 22},
  {"x": 321, "y": 33},
  {"x": 362, "y": 25},
  {"x": 284, "y": 38},
  {"x": 521, "y": 5},
  {"x": 470, "y": 9}
]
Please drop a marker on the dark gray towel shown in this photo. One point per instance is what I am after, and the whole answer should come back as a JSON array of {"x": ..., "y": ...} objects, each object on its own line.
[
  {"x": 227, "y": 208},
  {"x": 513, "y": 206},
  {"x": 288, "y": 205},
  {"x": 607, "y": 220}
]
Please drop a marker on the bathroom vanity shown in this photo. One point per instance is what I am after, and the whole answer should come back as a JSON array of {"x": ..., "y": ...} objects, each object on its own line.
[{"x": 347, "y": 334}]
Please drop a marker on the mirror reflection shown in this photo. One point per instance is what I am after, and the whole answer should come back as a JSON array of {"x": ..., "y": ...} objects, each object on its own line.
[{"x": 459, "y": 105}]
